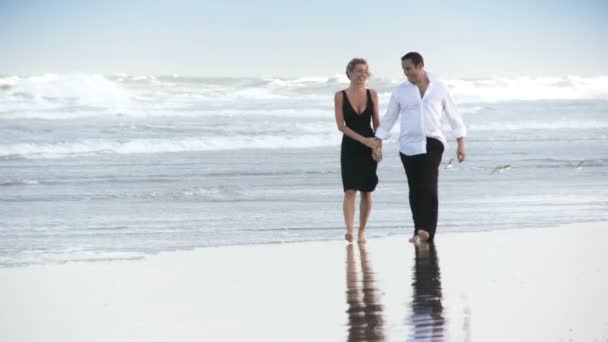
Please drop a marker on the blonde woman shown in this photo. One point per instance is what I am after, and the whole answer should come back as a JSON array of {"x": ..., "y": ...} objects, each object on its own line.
[{"x": 356, "y": 110}]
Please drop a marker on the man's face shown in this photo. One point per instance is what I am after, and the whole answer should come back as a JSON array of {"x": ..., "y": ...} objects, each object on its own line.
[{"x": 412, "y": 72}]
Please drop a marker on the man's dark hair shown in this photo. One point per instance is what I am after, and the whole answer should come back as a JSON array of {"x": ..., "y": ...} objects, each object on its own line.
[{"x": 415, "y": 57}]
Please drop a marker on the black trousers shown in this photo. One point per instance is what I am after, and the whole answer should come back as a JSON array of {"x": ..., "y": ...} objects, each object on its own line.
[{"x": 422, "y": 171}]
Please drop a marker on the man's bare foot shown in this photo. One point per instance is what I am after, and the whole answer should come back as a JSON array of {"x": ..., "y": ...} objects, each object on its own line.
[
  {"x": 423, "y": 250},
  {"x": 424, "y": 235},
  {"x": 415, "y": 240},
  {"x": 348, "y": 237}
]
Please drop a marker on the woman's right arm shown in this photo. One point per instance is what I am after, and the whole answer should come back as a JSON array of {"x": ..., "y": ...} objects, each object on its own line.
[{"x": 338, "y": 98}]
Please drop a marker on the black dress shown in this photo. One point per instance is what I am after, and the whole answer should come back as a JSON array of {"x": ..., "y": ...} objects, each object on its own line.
[{"x": 358, "y": 166}]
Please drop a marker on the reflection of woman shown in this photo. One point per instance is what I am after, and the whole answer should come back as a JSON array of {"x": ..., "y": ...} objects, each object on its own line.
[
  {"x": 356, "y": 110},
  {"x": 365, "y": 321},
  {"x": 427, "y": 310}
]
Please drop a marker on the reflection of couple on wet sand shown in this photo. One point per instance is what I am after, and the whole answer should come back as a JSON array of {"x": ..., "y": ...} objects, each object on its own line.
[
  {"x": 420, "y": 103},
  {"x": 365, "y": 310}
]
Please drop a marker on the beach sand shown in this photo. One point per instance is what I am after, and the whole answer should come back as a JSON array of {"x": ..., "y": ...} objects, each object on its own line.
[{"x": 543, "y": 284}]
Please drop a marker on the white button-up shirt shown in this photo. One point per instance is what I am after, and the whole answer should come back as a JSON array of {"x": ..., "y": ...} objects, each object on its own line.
[{"x": 420, "y": 116}]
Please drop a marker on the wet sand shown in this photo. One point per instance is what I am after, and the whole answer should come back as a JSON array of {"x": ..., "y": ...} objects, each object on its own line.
[{"x": 545, "y": 284}]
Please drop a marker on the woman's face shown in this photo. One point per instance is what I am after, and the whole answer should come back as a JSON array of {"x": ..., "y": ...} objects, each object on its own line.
[{"x": 359, "y": 74}]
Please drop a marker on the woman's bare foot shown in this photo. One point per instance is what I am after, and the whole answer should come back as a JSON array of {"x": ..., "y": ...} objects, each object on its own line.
[
  {"x": 424, "y": 235},
  {"x": 348, "y": 237},
  {"x": 361, "y": 237}
]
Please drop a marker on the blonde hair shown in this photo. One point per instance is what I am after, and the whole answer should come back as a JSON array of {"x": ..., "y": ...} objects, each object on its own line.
[{"x": 353, "y": 63}]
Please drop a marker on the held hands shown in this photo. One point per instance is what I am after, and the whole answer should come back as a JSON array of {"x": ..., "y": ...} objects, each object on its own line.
[
  {"x": 377, "y": 153},
  {"x": 373, "y": 142},
  {"x": 376, "y": 145}
]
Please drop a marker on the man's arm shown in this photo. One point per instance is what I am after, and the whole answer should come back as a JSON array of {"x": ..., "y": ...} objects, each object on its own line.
[
  {"x": 390, "y": 117},
  {"x": 456, "y": 123}
]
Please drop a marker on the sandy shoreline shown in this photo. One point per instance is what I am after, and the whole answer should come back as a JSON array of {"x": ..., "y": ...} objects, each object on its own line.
[{"x": 514, "y": 285}]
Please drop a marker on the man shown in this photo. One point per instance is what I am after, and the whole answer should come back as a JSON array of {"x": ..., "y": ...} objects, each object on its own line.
[{"x": 421, "y": 102}]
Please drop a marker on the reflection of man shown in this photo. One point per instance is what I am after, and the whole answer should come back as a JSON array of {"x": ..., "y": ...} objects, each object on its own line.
[
  {"x": 427, "y": 318},
  {"x": 421, "y": 102}
]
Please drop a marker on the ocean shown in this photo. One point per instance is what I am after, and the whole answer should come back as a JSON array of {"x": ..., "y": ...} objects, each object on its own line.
[{"x": 104, "y": 167}]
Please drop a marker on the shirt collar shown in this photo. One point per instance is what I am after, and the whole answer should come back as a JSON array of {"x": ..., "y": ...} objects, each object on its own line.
[{"x": 431, "y": 75}]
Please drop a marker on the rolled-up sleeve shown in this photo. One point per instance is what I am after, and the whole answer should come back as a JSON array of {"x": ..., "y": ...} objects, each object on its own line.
[
  {"x": 390, "y": 117},
  {"x": 454, "y": 118}
]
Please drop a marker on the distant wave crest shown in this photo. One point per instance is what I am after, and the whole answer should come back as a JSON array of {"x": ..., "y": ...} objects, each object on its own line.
[{"x": 73, "y": 96}]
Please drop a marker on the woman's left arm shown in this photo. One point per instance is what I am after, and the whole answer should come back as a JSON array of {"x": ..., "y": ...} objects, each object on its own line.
[
  {"x": 376, "y": 114},
  {"x": 377, "y": 152}
]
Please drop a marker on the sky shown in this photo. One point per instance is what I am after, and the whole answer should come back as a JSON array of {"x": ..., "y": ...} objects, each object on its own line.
[{"x": 459, "y": 39}]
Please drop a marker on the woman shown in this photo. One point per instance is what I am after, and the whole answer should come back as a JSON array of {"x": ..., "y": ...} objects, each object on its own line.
[{"x": 355, "y": 108}]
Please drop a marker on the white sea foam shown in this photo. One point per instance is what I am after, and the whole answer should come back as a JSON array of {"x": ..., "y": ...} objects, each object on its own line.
[
  {"x": 538, "y": 125},
  {"x": 73, "y": 96},
  {"x": 191, "y": 144},
  {"x": 89, "y": 89},
  {"x": 530, "y": 89}
]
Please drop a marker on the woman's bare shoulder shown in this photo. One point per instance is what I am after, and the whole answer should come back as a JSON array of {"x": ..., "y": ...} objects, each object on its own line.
[
  {"x": 374, "y": 92},
  {"x": 339, "y": 94}
]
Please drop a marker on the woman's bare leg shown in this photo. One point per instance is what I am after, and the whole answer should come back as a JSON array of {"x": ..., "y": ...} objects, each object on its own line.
[
  {"x": 365, "y": 212},
  {"x": 349, "y": 213}
]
